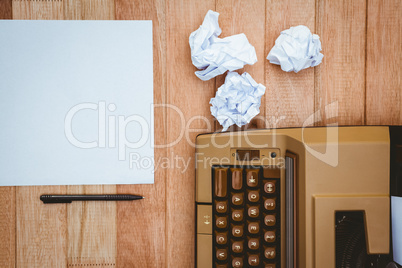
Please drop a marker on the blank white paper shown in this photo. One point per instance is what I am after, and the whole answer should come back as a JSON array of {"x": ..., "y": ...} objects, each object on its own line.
[{"x": 76, "y": 102}]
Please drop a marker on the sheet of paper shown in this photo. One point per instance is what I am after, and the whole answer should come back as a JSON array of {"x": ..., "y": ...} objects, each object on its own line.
[
  {"x": 214, "y": 55},
  {"x": 237, "y": 101},
  {"x": 396, "y": 212},
  {"x": 76, "y": 102}
]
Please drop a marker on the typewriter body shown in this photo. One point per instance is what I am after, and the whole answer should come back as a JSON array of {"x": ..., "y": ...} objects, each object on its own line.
[{"x": 293, "y": 198}]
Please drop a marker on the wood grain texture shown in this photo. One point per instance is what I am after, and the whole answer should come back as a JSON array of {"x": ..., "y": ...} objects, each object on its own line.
[
  {"x": 37, "y": 10},
  {"x": 246, "y": 17},
  {"x": 289, "y": 96},
  {"x": 191, "y": 96},
  {"x": 7, "y": 227},
  {"x": 92, "y": 226},
  {"x": 384, "y": 62},
  {"x": 340, "y": 78},
  {"x": 7, "y": 194},
  {"x": 89, "y": 9},
  {"x": 41, "y": 229},
  {"x": 6, "y": 10},
  {"x": 141, "y": 225}
]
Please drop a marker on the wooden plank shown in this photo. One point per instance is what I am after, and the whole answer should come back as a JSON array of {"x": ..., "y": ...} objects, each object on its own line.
[
  {"x": 7, "y": 194},
  {"x": 6, "y": 10},
  {"x": 41, "y": 231},
  {"x": 289, "y": 96},
  {"x": 246, "y": 17},
  {"x": 7, "y": 227},
  {"x": 384, "y": 62},
  {"x": 341, "y": 77},
  {"x": 37, "y": 10},
  {"x": 141, "y": 225},
  {"x": 89, "y": 9},
  {"x": 72, "y": 9},
  {"x": 92, "y": 227},
  {"x": 191, "y": 97}
]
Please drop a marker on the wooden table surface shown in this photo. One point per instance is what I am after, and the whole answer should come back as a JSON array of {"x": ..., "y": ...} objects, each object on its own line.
[{"x": 358, "y": 83}]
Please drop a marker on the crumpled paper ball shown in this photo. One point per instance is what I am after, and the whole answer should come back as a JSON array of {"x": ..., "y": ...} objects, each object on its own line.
[
  {"x": 237, "y": 101},
  {"x": 214, "y": 55},
  {"x": 296, "y": 49}
]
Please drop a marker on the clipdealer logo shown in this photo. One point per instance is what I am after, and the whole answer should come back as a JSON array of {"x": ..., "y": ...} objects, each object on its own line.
[
  {"x": 107, "y": 127},
  {"x": 330, "y": 156}
]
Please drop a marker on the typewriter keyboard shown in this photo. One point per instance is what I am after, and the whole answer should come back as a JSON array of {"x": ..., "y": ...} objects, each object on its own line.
[{"x": 246, "y": 217}]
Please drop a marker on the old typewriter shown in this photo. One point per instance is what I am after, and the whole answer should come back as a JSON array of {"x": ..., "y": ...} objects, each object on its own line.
[{"x": 298, "y": 197}]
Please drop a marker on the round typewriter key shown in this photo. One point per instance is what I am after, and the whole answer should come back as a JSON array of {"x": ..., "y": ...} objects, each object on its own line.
[
  {"x": 237, "y": 215},
  {"x": 253, "y": 243},
  {"x": 270, "y": 204},
  {"x": 221, "y": 254},
  {"x": 253, "y": 212},
  {"x": 270, "y": 236},
  {"x": 221, "y": 238},
  {"x": 237, "y": 262},
  {"x": 237, "y": 199},
  {"x": 253, "y": 227},
  {"x": 270, "y": 253},
  {"x": 270, "y": 265},
  {"x": 237, "y": 231},
  {"x": 269, "y": 187},
  {"x": 221, "y": 207},
  {"x": 237, "y": 247},
  {"x": 270, "y": 220},
  {"x": 221, "y": 222},
  {"x": 253, "y": 196},
  {"x": 253, "y": 260},
  {"x": 252, "y": 178}
]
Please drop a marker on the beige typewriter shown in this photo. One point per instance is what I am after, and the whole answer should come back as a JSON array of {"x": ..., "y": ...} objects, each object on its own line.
[{"x": 312, "y": 197}]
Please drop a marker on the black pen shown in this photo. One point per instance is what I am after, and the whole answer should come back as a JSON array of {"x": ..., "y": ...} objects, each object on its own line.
[{"x": 48, "y": 199}]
